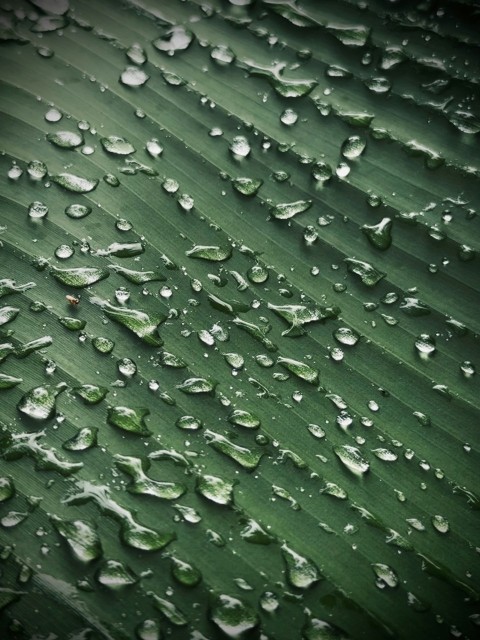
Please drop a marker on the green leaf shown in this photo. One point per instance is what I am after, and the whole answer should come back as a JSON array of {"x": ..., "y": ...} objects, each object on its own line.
[{"x": 239, "y": 334}]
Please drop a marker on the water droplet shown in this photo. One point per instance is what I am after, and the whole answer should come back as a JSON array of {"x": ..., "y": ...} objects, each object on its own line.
[
  {"x": 222, "y": 55},
  {"x": 84, "y": 439},
  {"x": 258, "y": 274},
  {"x": 353, "y": 147},
  {"x": 103, "y": 345},
  {"x": 40, "y": 402},
  {"x": 37, "y": 169},
  {"x": 386, "y": 576},
  {"x": 37, "y": 210},
  {"x": 316, "y": 629},
  {"x": 154, "y": 148},
  {"x": 79, "y": 277},
  {"x": 212, "y": 253},
  {"x": 316, "y": 431},
  {"x": 368, "y": 274},
  {"x": 133, "y": 77},
  {"x": 149, "y": 630},
  {"x": 240, "y": 147},
  {"x": 129, "y": 419},
  {"x": 289, "y": 117},
  {"x": 53, "y": 115},
  {"x": 425, "y": 345},
  {"x": 342, "y": 170},
  {"x": 189, "y": 423},
  {"x": 440, "y": 523},
  {"x": 378, "y": 84},
  {"x": 247, "y": 458},
  {"x": 233, "y": 616},
  {"x": 15, "y": 172},
  {"x": 117, "y": 145},
  {"x": 78, "y": 211},
  {"x": 235, "y": 360},
  {"x": 352, "y": 459},
  {"x": 247, "y": 186},
  {"x": 91, "y": 393},
  {"x": 65, "y": 139},
  {"x": 243, "y": 418},
  {"x": 7, "y": 488},
  {"x": 143, "y": 485},
  {"x": 302, "y": 572},
  {"x": 115, "y": 575},
  {"x": 287, "y": 210},
  {"x": 300, "y": 369},
  {"x": 379, "y": 235},
  {"x": 8, "y": 382},
  {"x": 75, "y": 183},
  {"x": 346, "y": 336},
  {"x": 186, "y": 202},
  {"x": 215, "y": 489},
  {"x": 81, "y": 537},
  {"x": 142, "y": 324},
  {"x": 185, "y": 573},
  {"x": 197, "y": 385},
  {"x": 385, "y": 454},
  {"x": 175, "y": 39},
  {"x": 468, "y": 369}
]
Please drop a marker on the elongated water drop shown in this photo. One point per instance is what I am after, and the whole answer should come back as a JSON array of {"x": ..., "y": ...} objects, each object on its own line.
[
  {"x": 129, "y": 419},
  {"x": 247, "y": 458},
  {"x": 81, "y": 536},
  {"x": 353, "y": 147},
  {"x": 247, "y": 186},
  {"x": 300, "y": 369},
  {"x": 79, "y": 277},
  {"x": 74, "y": 183},
  {"x": 117, "y": 145},
  {"x": 367, "y": 273},
  {"x": 287, "y": 210},
  {"x": 211, "y": 253},
  {"x": 142, "y": 324},
  {"x": 197, "y": 385},
  {"x": 215, "y": 489},
  {"x": 115, "y": 575},
  {"x": 244, "y": 418},
  {"x": 352, "y": 459},
  {"x": 84, "y": 439},
  {"x": 66, "y": 139},
  {"x": 302, "y": 572},
  {"x": 91, "y": 393}
]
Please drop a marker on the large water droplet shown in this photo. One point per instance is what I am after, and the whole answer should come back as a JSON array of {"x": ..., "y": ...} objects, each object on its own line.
[
  {"x": 115, "y": 575},
  {"x": 379, "y": 235},
  {"x": 222, "y": 55},
  {"x": 302, "y": 572},
  {"x": 66, "y": 139},
  {"x": 129, "y": 419},
  {"x": 81, "y": 536},
  {"x": 353, "y": 147},
  {"x": 74, "y": 183},
  {"x": 133, "y": 77},
  {"x": 117, "y": 145},
  {"x": 185, "y": 573},
  {"x": 175, "y": 39},
  {"x": 346, "y": 336},
  {"x": 368, "y": 274},
  {"x": 40, "y": 402},
  {"x": 247, "y": 186},
  {"x": 233, "y": 616},
  {"x": 79, "y": 277},
  {"x": 212, "y": 253},
  {"x": 240, "y": 147},
  {"x": 215, "y": 489},
  {"x": 287, "y": 210},
  {"x": 352, "y": 459}
]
